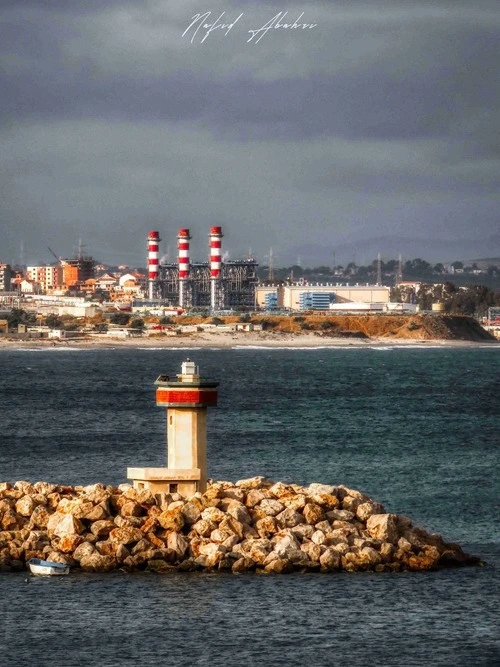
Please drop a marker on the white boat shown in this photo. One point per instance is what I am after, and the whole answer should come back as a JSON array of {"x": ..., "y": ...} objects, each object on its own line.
[{"x": 47, "y": 567}]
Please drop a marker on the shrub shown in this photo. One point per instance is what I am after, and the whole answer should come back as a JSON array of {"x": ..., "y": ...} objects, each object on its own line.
[{"x": 120, "y": 318}]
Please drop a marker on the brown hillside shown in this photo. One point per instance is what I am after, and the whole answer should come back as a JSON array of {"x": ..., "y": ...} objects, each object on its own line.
[
  {"x": 419, "y": 326},
  {"x": 423, "y": 327}
]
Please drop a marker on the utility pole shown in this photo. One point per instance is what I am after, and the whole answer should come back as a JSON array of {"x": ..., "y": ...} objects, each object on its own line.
[
  {"x": 399, "y": 273},
  {"x": 379, "y": 270},
  {"x": 271, "y": 266},
  {"x": 21, "y": 256}
]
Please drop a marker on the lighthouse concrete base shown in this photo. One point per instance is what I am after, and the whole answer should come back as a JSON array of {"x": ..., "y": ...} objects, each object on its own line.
[{"x": 167, "y": 480}]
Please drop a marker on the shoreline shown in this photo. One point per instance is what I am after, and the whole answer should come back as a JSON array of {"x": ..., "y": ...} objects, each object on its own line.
[{"x": 232, "y": 340}]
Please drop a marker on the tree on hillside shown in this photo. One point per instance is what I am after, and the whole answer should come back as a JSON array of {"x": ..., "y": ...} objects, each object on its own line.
[
  {"x": 417, "y": 267},
  {"x": 120, "y": 318},
  {"x": 20, "y": 316},
  {"x": 137, "y": 323},
  {"x": 54, "y": 321}
]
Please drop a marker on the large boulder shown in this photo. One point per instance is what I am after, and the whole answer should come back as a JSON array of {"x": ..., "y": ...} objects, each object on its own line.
[
  {"x": 97, "y": 513},
  {"x": 191, "y": 511},
  {"x": 69, "y": 543},
  {"x": 259, "y": 551},
  {"x": 279, "y": 566},
  {"x": 290, "y": 518},
  {"x": 39, "y": 517},
  {"x": 178, "y": 543},
  {"x": 67, "y": 524},
  {"x": 383, "y": 527},
  {"x": 172, "y": 519},
  {"x": 213, "y": 514},
  {"x": 297, "y": 502},
  {"x": 313, "y": 513},
  {"x": 125, "y": 535},
  {"x": 132, "y": 508},
  {"x": 102, "y": 528},
  {"x": 96, "y": 562},
  {"x": 44, "y": 487},
  {"x": 97, "y": 493},
  {"x": 243, "y": 564},
  {"x": 25, "y": 506},
  {"x": 330, "y": 560},
  {"x": 327, "y": 500},
  {"x": 83, "y": 549},
  {"x": 267, "y": 526},
  {"x": 77, "y": 507},
  {"x": 256, "y": 496},
  {"x": 239, "y": 512},
  {"x": 313, "y": 551},
  {"x": 315, "y": 488},
  {"x": 9, "y": 520},
  {"x": 340, "y": 515},
  {"x": 251, "y": 483},
  {"x": 367, "y": 509},
  {"x": 203, "y": 527},
  {"x": 212, "y": 554},
  {"x": 233, "y": 526}
]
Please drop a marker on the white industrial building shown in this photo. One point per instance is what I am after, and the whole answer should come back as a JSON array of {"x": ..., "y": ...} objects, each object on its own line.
[{"x": 300, "y": 296}]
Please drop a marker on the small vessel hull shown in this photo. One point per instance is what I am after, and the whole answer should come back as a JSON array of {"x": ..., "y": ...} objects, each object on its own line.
[{"x": 47, "y": 567}]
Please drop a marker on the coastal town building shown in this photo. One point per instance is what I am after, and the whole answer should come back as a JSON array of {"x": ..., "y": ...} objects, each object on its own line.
[
  {"x": 48, "y": 277},
  {"x": 77, "y": 270},
  {"x": 5, "y": 277},
  {"x": 29, "y": 287},
  {"x": 106, "y": 282}
]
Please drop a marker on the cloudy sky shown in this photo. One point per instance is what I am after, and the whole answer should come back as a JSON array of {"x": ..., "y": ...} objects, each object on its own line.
[{"x": 376, "y": 130}]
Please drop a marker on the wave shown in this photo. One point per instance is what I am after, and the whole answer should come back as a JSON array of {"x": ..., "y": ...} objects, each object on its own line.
[
  {"x": 46, "y": 349},
  {"x": 294, "y": 347},
  {"x": 157, "y": 349}
]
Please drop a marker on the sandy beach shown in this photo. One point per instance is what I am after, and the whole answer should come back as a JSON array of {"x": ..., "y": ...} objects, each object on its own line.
[{"x": 232, "y": 340}]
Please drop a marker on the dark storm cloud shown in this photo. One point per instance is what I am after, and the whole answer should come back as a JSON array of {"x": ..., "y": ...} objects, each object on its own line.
[
  {"x": 383, "y": 108},
  {"x": 397, "y": 98}
]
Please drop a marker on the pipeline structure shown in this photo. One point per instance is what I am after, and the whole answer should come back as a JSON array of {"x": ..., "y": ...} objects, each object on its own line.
[{"x": 217, "y": 284}]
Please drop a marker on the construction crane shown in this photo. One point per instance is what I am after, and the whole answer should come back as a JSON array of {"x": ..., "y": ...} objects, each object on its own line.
[{"x": 61, "y": 261}]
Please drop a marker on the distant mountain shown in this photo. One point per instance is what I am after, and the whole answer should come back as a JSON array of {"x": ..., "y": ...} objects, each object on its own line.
[{"x": 365, "y": 251}]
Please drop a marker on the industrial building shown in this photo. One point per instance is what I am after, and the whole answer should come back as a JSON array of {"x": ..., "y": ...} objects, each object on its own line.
[
  {"x": 216, "y": 284},
  {"x": 319, "y": 297}
]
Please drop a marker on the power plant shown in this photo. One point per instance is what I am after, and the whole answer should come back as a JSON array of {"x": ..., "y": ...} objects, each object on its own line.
[{"x": 217, "y": 284}]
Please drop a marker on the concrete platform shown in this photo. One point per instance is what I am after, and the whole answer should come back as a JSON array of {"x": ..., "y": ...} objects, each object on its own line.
[{"x": 166, "y": 480}]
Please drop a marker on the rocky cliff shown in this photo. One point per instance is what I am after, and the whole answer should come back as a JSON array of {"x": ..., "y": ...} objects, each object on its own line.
[
  {"x": 254, "y": 524},
  {"x": 421, "y": 326}
]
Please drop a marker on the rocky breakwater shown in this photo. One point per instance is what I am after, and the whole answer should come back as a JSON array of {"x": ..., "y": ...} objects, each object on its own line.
[{"x": 254, "y": 524}]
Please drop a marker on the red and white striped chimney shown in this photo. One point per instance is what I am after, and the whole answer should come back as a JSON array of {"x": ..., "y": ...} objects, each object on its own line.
[
  {"x": 183, "y": 238},
  {"x": 215, "y": 263},
  {"x": 153, "y": 260}
]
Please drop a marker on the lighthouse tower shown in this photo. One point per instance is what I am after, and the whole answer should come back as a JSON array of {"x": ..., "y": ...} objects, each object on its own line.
[{"x": 186, "y": 397}]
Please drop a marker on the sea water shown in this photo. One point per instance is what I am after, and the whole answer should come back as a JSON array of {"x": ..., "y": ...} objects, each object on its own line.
[{"x": 417, "y": 429}]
